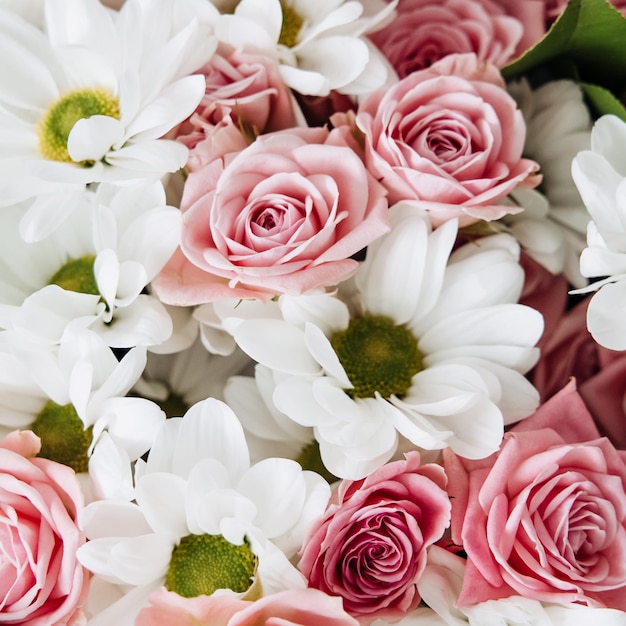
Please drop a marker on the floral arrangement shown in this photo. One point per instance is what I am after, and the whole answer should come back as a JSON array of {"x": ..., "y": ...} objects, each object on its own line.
[{"x": 312, "y": 313}]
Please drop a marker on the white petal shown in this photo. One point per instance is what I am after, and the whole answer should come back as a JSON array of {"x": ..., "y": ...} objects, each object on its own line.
[
  {"x": 605, "y": 316},
  {"x": 162, "y": 498},
  {"x": 210, "y": 430},
  {"x": 91, "y": 138},
  {"x": 141, "y": 560},
  {"x": 278, "y": 489},
  {"x": 277, "y": 345},
  {"x": 114, "y": 519}
]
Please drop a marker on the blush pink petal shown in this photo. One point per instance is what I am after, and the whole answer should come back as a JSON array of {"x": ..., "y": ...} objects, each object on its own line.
[
  {"x": 283, "y": 216},
  {"x": 545, "y": 517}
]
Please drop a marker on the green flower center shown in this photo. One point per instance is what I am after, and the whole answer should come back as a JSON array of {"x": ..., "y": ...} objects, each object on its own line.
[
  {"x": 202, "y": 564},
  {"x": 378, "y": 356},
  {"x": 63, "y": 435},
  {"x": 310, "y": 459},
  {"x": 290, "y": 28},
  {"x": 55, "y": 126},
  {"x": 174, "y": 405},
  {"x": 77, "y": 275}
]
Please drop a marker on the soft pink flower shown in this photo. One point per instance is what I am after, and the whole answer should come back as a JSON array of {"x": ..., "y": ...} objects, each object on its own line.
[
  {"x": 449, "y": 137},
  {"x": 545, "y": 517},
  {"x": 370, "y": 547},
  {"x": 531, "y": 13},
  {"x": 426, "y": 31},
  {"x": 247, "y": 89},
  {"x": 300, "y": 607},
  {"x": 41, "y": 582},
  {"x": 284, "y": 216}
]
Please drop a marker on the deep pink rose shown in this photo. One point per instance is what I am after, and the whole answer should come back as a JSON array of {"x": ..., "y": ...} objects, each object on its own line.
[
  {"x": 284, "y": 216},
  {"x": 545, "y": 517},
  {"x": 297, "y": 607},
  {"x": 425, "y": 31},
  {"x": 449, "y": 137},
  {"x": 370, "y": 547},
  {"x": 41, "y": 582},
  {"x": 246, "y": 88}
]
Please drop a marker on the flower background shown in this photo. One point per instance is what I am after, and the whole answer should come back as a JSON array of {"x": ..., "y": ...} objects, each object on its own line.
[{"x": 312, "y": 313}]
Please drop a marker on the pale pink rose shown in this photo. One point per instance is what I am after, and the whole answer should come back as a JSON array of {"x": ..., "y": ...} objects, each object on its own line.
[
  {"x": 449, "y": 137},
  {"x": 370, "y": 547},
  {"x": 297, "y": 607},
  {"x": 41, "y": 582},
  {"x": 283, "y": 216},
  {"x": 248, "y": 89},
  {"x": 545, "y": 517},
  {"x": 426, "y": 31}
]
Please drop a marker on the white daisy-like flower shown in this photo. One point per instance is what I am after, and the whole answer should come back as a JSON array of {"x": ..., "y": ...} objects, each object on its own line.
[
  {"x": 93, "y": 269},
  {"x": 320, "y": 45},
  {"x": 95, "y": 95},
  {"x": 552, "y": 226},
  {"x": 74, "y": 397},
  {"x": 429, "y": 346},
  {"x": 204, "y": 519},
  {"x": 600, "y": 174}
]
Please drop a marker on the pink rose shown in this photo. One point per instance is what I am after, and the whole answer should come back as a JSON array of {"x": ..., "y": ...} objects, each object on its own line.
[
  {"x": 41, "y": 582},
  {"x": 531, "y": 13},
  {"x": 449, "y": 137},
  {"x": 248, "y": 89},
  {"x": 284, "y": 216},
  {"x": 545, "y": 517},
  {"x": 300, "y": 607},
  {"x": 425, "y": 32},
  {"x": 371, "y": 545}
]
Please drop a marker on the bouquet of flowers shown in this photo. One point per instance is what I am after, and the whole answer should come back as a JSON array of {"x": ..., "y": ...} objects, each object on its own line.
[{"x": 312, "y": 313}]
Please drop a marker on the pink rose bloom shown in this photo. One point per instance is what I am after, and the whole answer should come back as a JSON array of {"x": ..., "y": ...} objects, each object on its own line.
[
  {"x": 371, "y": 546},
  {"x": 300, "y": 607},
  {"x": 248, "y": 89},
  {"x": 531, "y": 13},
  {"x": 545, "y": 517},
  {"x": 426, "y": 31},
  {"x": 283, "y": 216},
  {"x": 41, "y": 582},
  {"x": 449, "y": 137}
]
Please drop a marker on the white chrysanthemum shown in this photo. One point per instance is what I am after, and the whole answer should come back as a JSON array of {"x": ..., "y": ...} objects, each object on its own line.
[
  {"x": 204, "y": 519},
  {"x": 73, "y": 397},
  {"x": 552, "y": 226},
  {"x": 95, "y": 95},
  {"x": 430, "y": 347},
  {"x": 92, "y": 270},
  {"x": 319, "y": 45},
  {"x": 600, "y": 174}
]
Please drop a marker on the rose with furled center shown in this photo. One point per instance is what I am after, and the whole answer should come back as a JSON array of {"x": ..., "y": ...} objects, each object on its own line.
[
  {"x": 449, "y": 138},
  {"x": 375, "y": 536},
  {"x": 283, "y": 216}
]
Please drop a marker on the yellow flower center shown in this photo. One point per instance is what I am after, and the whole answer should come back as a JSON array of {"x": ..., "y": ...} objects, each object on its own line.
[
  {"x": 378, "y": 356},
  {"x": 202, "y": 564},
  {"x": 63, "y": 435},
  {"x": 77, "y": 275},
  {"x": 55, "y": 126},
  {"x": 290, "y": 28}
]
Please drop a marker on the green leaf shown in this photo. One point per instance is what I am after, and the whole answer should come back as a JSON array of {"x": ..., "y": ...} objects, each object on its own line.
[
  {"x": 591, "y": 34},
  {"x": 603, "y": 102}
]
